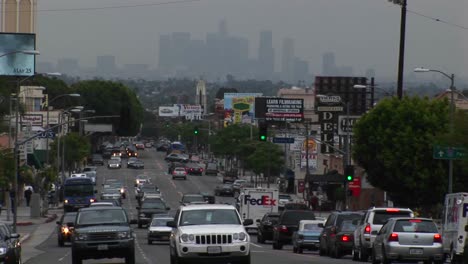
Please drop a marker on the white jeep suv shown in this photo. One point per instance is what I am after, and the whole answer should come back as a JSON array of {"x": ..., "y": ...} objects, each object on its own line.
[{"x": 209, "y": 232}]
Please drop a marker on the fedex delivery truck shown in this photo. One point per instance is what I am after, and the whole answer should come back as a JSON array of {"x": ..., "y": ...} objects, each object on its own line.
[
  {"x": 454, "y": 222},
  {"x": 254, "y": 203}
]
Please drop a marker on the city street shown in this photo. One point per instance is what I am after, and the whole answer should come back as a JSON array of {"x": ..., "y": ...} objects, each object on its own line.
[{"x": 172, "y": 192}]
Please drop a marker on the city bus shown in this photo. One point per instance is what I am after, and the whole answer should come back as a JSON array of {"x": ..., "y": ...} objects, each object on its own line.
[{"x": 78, "y": 192}]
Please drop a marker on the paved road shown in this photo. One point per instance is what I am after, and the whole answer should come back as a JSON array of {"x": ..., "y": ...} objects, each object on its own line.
[{"x": 156, "y": 168}]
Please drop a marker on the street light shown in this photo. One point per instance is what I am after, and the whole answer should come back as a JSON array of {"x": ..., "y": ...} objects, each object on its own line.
[
  {"x": 401, "y": 57},
  {"x": 452, "y": 89},
  {"x": 91, "y": 111},
  {"x": 48, "y": 102}
]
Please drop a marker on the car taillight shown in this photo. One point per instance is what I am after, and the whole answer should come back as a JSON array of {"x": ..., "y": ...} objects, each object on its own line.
[
  {"x": 393, "y": 210},
  {"x": 283, "y": 228},
  {"x": 437, "y": 238},
  {"x": 367, "y": 229},
  {"x": 92, "y": 200},
  {"x": 393, "y": 237},
  {"x": 345, "y": 238}
]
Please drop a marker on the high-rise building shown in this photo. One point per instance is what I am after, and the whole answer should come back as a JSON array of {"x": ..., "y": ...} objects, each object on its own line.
[
  {"x": 301, "y": 70},
  {"x": 328, "y": 64},
  {"x": 68, "y": 66},
  {"x": 287, "y": 59},
  {"x": 222, "y": 28},
  {"x": 179, "y": 47},
  {"x": 105, "y": 64},
  {"x": 266, "y": 54},
  {"x": 165, "y": 53},
  {"x": 18, "y": 16}
]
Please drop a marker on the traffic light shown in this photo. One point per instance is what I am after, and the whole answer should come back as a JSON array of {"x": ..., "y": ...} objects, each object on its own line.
[
  {"x": 349, "y": 173},
  {"x": 262, "y": 132},
  {"x": 195, "y": 130}
]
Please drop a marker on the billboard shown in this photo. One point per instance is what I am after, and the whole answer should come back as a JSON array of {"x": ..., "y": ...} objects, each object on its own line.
[
  {"x": 190, "y": 112},
  {"x": 168, "y": 111},
  {"x": 15, "y": 63},
  {"x": 239, "y": 108},
  {"x": 276, "y": 109}
]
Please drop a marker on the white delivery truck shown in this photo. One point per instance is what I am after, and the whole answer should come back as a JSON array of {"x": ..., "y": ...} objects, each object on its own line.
[
  {"x": 454, "y": 222},
  {"x": 254, "y": 203}
]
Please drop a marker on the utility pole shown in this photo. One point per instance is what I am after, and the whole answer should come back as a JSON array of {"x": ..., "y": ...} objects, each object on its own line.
[
  {"x": 307, "y": 176},
  {"x": 401, "y": 57},
  {"x": 346, "y": 156}
]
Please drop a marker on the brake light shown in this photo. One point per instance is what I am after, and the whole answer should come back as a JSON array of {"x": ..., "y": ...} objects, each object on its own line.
[
  {"x": 367, "y": 229},
  {"x": 283, "y": 228},
  {"x": 415, "y": 221},
  {"x": 393, "y": 210},
  {"x": 345, "y": 238},
  {"x": 437, "y": 238},
  {"x": 393, "y": 237},
  {"x": 92, "y": 200}
]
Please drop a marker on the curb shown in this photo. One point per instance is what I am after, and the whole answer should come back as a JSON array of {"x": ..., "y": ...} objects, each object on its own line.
[
  {"x": 51, "y": 218},
  {"x": 25, "y": 238},
  {"x": 24, "y": 223}
]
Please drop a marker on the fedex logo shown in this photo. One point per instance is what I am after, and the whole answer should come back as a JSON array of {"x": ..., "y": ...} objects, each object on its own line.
[
  {"x": 264, "y": 200},
  {"x": 465, "y": 209}
]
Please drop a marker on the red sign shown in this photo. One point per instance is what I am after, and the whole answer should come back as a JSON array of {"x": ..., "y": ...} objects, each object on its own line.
[
  {"x": 300, "y": 186},
  {"x": 355, "y": 186}
]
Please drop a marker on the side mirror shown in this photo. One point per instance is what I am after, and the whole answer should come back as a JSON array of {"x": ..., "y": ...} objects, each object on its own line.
[
  {"x": 320, "y": 225},
  {"x": 171, "y": 224},
  {"x": 133, "y": 222},
  {"x": 247, "y": 222},
  {"x": 14, "y": 235},
  {"x": 168, "y": 208},
  {"x": 138, "y": 207}
]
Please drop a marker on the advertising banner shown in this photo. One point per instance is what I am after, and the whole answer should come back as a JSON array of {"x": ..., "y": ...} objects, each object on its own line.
[
  {"x": 13, "y": 63},
  {"x": 31, "y": 119},
  {"x": 168, "y": 111},
  {"x": 239, "y": 108},
  {"x": 275, "y": 109}
]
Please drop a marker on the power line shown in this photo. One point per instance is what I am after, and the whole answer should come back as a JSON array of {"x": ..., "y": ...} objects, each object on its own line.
[{"x": 437, "y": 20}]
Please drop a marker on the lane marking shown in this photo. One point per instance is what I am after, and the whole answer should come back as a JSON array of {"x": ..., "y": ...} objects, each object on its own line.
[
  {"x": 140, "y": 249},
  {"x": 255, "y": 245},
  {"x": 66, "y": 255}
]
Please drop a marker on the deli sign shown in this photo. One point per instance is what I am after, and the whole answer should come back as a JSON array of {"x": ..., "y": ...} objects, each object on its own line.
[{"x": 328, "y": 108}]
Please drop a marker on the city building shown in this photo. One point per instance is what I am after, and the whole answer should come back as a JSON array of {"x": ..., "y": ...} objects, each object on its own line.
[
  {"x": 68, "y": 66},
  {"x": 18, "y": 16},
  {"x": 287, "y": 60},
  {"x": 266, "y": 55},
  {"x": 328, "y": 64},
  {"x": 105, "y": 64}
]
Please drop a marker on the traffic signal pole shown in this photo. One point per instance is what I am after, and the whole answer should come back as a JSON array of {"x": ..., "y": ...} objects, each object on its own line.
[{"x": 346, "y": 158}]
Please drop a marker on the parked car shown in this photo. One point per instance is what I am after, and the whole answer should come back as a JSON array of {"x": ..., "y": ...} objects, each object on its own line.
[
  {"x": 64, "y": 231},
  {"x": 158, "y": 229},
  {"x": 225, "y": 189},
  {"x": 287, "y": 224},
  {"x": 332, "y": 227},
  {"x": 265, "y": 227},
  {"x": 408, "y": 239},
  {"x": 307, "y": 236}
]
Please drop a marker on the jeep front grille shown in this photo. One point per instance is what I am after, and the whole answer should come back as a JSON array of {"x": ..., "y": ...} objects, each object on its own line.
[
  {"x": 102, "y": 236},
  {"x": 213, "y": 239}
]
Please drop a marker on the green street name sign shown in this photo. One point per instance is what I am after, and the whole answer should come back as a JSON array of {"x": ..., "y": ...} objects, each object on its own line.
[{"x": 449, "y": 153}]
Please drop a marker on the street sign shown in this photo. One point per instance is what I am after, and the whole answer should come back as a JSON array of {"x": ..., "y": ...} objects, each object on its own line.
[
  {"x": 283, "y": 140},
  {"x": 449, "y": 153},
  {"x": 346, "y": 124},
  {"x": 47, "y": 134}
]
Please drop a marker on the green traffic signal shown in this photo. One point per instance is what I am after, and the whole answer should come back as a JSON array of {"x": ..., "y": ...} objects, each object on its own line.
[
  {"x": 349, "y": 178},
  {"x": 263, "y": 138},
  {"x": 349, "y": 173},
  {"x": 195, "y": 131}
]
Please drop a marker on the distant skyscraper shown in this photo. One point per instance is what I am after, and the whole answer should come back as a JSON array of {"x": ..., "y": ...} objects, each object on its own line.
[
  {"x": 165, "y": 53},
  {"x": 370, "y": 73},
  {"x": 222, "y": 28},
  {"x": 18, "y": 16},
  {"x": 105, "y": 64},
  {"x": 301, "y": 70},
  {"x": 68, "y": 66},
  {"x": 328, "y": 64},
  {"x": 201, "y": 96},
  {"x": 287, "y": 59},
  {"x": 180, "y": 49},
  {"x": 44, "y": 66},
  {"x": 266, "y": 54}
]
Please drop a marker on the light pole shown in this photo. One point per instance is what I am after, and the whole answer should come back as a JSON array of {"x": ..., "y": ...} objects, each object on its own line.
[
  {"x": 48, "y": 102},
  {"x": 91, "y": 111},
  {"x": 401, "y": 57},
  {"x": 61, "y": 161},
  {"x": 452, "y": 89}
]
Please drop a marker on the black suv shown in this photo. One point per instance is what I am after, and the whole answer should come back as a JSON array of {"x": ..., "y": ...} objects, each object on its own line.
[
  {"x": 265, "y": 227},
  {"x": 287, "y": 224},
  {"x": 102, "y": 232},
  {"x": 333, "y": 229},
  {"x": 148, "y": 208},
  {"x": 10, "y": 244}
]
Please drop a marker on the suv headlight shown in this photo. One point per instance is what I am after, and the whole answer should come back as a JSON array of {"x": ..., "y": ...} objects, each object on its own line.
[
  {"x": 239, "y": 236},
  {"x": 186, "y": 238},
  {"x": 123, "y": 234},
  {"x": 81, "y": 236},
  {"x": 3, "y": 250}
]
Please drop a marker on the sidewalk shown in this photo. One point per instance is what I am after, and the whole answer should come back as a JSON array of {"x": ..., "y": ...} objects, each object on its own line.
[{"x": 33, "y": 231}]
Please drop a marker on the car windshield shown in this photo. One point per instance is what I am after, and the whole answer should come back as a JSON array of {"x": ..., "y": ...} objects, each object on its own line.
[
  {"x": 69, "y": 217},
  {"x": 148, "y": 189},
  {"x": 209, "y": 217},
  {"x": 347, "y": 226},
  {"x": 160, "y": 221},
  {"x": 111, "y": 191},
  {"x": 113, "y": 161},
  {"x": 193, "y": 198},
  {"x": 153, "y": 204},
  {"x": 381, "y": 217},
  {"x": 346, "y": 217},
  {"x": 312, "y": 227},
  {"x": 415, "y": 226},
  {"x": 101, "y": 216},
  {"x": 293, "y": 218},
  {"x": 79, "y": 190},
  {"x": 284, "y": 197}
]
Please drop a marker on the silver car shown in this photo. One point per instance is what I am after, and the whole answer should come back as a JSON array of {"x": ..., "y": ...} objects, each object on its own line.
[
  {"x": 158, "y": 229},
  {"x": 179, "y": 172},
  {"x": 408, "y": 239}
]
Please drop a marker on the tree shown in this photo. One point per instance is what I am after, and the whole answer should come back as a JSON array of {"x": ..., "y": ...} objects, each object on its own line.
[
  {"x": 111, "y": 98},
  {"x": 267, "y": 159},
  {"x": 7, "y": 168},
  {"x": 77, "y": 148},
  {"x": 393, "y": 143}
]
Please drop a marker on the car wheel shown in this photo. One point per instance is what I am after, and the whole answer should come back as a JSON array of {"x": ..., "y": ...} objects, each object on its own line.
[
  {"x": 294, "y": 249},
  {"x": 60, "y": 242},
  {"x": 337, "y": 252},
  {"x": 374, "y": 259},
  {"x": 130, "y": 258},
  {"x": 385, "y": 260},
  {"x": 173, "y": 177},
  {"x": 354, "y": 254},
  {"x": 260, "y": 238},
  {"x": 363, "y": 256},
  {"x": 76, "y": 259},
  {"x": 300, "y": 250},
  {"x": 322, "y": 252}
]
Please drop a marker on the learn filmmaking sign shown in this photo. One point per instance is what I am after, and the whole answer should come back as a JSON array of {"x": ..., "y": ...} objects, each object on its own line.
[{"x": 276, "y": 109}]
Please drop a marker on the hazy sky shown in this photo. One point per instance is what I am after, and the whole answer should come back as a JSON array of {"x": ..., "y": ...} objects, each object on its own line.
[{"x": 361, "y": 33}]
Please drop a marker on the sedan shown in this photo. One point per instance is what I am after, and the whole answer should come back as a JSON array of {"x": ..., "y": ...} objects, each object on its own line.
[
  {"x": 265, "y": 227},
  {"x": 408, "y": 239},
  {"x": 179, "y": 172},
  {"x": 158, "y": 229},
  {"x": 307, "y": 236},
  {"x": 111, "y": 194},
  {"x": 225, "y": 189},
  {"x": 341, "y": 243},
  {"x": 113, "y": 164},
  {"x": 64, "y": 231},
  {"x": 177, "y": 157},
  {"x": 137, "y": 164},
  {"x": 194, "y": 169}
]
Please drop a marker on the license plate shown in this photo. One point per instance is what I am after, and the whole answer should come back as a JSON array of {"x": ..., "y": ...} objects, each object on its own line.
[
  {"x": 102, "y": 247},
  {"x": 164, "y": 237},
  {"x": 416, "y": 251},
  {"x": 214, "y": 250}
]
